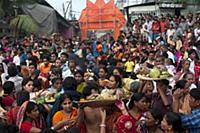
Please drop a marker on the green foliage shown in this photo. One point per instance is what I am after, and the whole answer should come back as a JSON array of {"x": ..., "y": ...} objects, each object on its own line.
[{"x": 24, "y": 23}]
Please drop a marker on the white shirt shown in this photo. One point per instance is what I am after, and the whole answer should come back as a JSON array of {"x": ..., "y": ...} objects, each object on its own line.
[
  {"x": 170, "y": 32},
  {"x": 192, "y": 64},
  {"x": 171, "y": 56},
  {"x": 16, "y": 60}
]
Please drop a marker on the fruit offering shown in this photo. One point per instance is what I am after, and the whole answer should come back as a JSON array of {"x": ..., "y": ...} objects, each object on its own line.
[{"x": 156, "y": 73}]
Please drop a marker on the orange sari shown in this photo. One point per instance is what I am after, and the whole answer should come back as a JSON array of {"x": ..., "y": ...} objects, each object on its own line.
[{"x": 60, "y": 116}]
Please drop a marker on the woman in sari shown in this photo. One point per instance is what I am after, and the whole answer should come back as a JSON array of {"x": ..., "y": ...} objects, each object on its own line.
[
  {"x": 185, "y": 69},
  {"x": 128, "y": 121},
  {"x": 21, "y": 97},
  {"x": 62, "y": 112},
  {"x": 29, "y": 119}
]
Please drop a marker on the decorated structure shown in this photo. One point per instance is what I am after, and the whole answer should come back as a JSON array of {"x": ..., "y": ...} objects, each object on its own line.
[{"x": 101, "y": 16}]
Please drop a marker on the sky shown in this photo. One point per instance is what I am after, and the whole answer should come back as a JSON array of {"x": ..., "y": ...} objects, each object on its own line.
[{"x": 77, "y": 5}]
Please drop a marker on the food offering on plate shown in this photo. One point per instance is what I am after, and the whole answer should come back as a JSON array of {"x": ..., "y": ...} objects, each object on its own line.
[
  {"x": 50, "y": 98},
  {"x": 106, "y": 98},
  {"x": 157, "y": 73}
]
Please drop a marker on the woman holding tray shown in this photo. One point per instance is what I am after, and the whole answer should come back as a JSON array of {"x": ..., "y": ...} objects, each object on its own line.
[
  {"x": 128, "y": 121},
  {"x": 63, "y": 111}
]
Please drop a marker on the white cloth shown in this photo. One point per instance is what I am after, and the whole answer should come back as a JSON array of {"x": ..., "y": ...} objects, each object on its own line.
[
  {"x": 192, "y": 86},
  {"x": 192, "y": 64},
  {"x": 171, "y": 56},
  {"x": 17, "y": 81},
  {"x": 16, "y": 60}
]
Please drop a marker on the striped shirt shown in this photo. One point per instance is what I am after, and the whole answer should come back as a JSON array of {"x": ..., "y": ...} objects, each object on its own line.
[{"x": 192, "y": 121}]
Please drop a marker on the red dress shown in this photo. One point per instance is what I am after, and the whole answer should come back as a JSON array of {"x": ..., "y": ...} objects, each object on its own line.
[
  {"x": 127, "y": 124},
  {"x": 26, "y": 127}
]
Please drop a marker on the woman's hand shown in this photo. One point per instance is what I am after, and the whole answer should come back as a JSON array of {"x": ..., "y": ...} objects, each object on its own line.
[
  {"x": 103, "y": 116},
  {"x": 178, "y": 94},
  {"x": 120, "y": 104}
]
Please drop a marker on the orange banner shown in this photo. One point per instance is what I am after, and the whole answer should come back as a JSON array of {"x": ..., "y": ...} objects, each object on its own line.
[{"x": 101, "y": 16}]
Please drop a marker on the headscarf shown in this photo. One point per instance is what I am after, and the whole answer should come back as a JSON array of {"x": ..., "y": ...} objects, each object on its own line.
[
  {"x": 21, "y": 114},
  {"x": 39, "y": 123}
]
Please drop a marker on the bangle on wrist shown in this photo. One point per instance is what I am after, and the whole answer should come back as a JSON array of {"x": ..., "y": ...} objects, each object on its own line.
[
  {"x": 102, "y": 125},
  {"x": 52, "y": 128}
]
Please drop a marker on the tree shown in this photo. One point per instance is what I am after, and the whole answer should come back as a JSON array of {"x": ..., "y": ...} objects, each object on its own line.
[{"x": 23, "y": 23}]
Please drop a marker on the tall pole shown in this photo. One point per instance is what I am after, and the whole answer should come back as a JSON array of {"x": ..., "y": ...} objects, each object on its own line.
[{"x": 71, "y": 15}]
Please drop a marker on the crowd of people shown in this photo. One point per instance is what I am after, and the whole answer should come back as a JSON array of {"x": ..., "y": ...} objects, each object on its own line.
[{"x": 44, "y": 79}]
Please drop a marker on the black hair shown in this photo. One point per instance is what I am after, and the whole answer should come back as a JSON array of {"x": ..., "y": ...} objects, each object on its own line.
[
  {"x": 47, "y": 130},
  {"x": 104, "y": 68},
  {"x": 103, "y": 62},
  {"x": 134, "y": 86},
  {"x": 195, "y": 93},
  {"x": 25, "y": 81},
  {"x": 46, "y": 57},
  {"x": 8, "y": 87},
  {"x": 119, "y": 69},
  {"x": 91, "y": 85},
  {"x": 56, "y": 71},
  {"x": 56, "y": 107},
  {"x": 118, "y": 80},
  {"x": 165, "y": 82},
  {"x": 157, "y": 115},
  {"x": 33, "y": 64},
  {"x": 174, "y": 119},
  {"x": 73, "y": 130},
  {"x": 79, "y": 72},
  {"x": 180, "y": 84},
  {"x": 55, "y": 79},
  {"x": 72, "y": 61},
  {"x": 69, "y": 83},
  {"x": 30, "y": 107},
  {"x": 186, "y": 74},
  {"x": 135, "y": 98},
  {"x": 5, "y": 128},
  {"x": 63, "y": 97},
  {"x": 37, "y": 83},
  {"x": 1, "y": 67},
  {"x": 12, "y": 70},
  {"x": 55, "y": 54},
  {"x": 63, "y": 53},
  {"x": 192, "y": 51},
  {"x": 21, "y": 97}
]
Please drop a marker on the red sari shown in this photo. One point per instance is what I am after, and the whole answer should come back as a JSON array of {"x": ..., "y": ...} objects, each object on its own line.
[{"x": 127, "y": 124}]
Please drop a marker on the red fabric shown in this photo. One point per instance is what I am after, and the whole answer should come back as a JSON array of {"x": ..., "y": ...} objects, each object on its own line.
[
  {"x": 7, "y": 101},
  {"x": 125, "y": 121},
  {"x": 26, "y": 127},
  {"x": 156, "y": 28},
  {"x": 82, "y": 128},
  {"x": 163, "y": 26},
  {"x": 197, "y": 71},
  {"x": 12, "y": 115}
]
